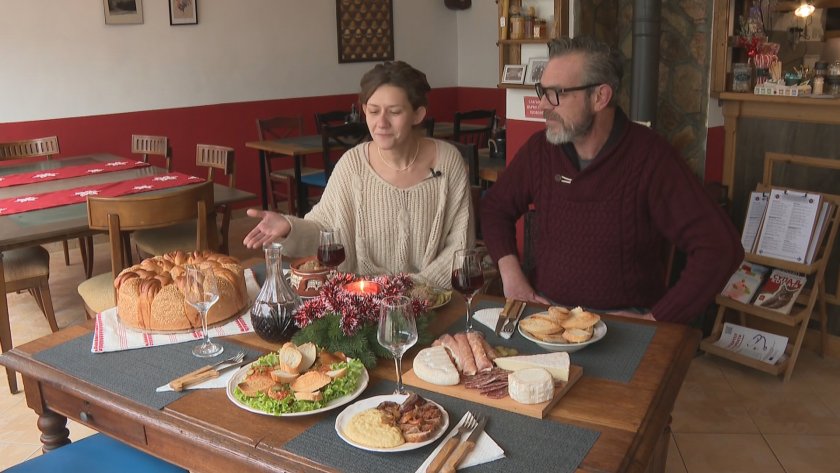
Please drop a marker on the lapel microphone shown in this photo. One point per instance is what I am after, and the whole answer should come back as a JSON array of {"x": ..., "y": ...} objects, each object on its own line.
[{"x": 435, "y": 173}]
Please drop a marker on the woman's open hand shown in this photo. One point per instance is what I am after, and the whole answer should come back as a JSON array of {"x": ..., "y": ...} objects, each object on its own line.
[{"x": 271, "y": 227}]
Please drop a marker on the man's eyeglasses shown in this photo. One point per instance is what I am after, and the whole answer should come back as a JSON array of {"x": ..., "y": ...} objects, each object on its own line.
[{"x": 553, "y": 94}]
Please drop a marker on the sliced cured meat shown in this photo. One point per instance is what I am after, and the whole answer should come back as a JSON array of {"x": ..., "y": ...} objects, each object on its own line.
[
  {"x": 497, "y": 394},
  {"x": 466, "y": 354},
  {"x": 448, "y": 342},
  {"x": 488, "y": 349},
  {"x": 482, "y": 362}
]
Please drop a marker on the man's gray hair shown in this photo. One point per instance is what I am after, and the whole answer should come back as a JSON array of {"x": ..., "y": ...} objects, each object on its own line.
[{"x": 604, "y": 65}]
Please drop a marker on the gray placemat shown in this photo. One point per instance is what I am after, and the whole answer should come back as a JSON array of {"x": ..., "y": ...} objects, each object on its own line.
[
  {"x": 565, "y": 446},
  {"x": 615, "y": 357},
  {"x": 134, "y": 374}
]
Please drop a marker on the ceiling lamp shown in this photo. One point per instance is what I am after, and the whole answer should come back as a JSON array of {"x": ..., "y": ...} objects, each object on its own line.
[{"x": 804, "y": 10}]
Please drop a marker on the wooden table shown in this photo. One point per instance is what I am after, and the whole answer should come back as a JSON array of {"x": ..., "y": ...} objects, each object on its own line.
[
  {"x": 298, "y": 147},
  {"x": 62, "y": 223},
  {"x": 632, "y": 418}
]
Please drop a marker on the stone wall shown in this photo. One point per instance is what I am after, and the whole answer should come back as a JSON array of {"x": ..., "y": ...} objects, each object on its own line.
[{"x": 683, "y": 68}]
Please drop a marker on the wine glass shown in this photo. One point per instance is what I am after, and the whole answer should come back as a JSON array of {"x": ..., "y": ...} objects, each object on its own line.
[
  {"x": 202, "y": 291},
  {"x": 467, "y": 276},
  {"x": 330, "y": 248},
  {"x": 397, "y": 331}
]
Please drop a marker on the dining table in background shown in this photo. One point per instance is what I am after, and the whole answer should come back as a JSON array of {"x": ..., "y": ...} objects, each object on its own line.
[
  {"x": 69, "y": 221},
  {"x": 631, "y": 417},
  {"x": 298, "y": 147}
]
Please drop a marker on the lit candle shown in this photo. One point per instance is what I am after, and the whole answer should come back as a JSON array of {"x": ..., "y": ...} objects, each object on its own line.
[{"x": 363, "y": 288}]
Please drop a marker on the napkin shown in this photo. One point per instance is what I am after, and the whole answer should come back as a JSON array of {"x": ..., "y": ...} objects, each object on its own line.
[
  {"x": 486, "y": 449},
  {"x": 110, "y": 334},
  {"x": 489, "y": 317},
  {"x": 213, "y": 383}
]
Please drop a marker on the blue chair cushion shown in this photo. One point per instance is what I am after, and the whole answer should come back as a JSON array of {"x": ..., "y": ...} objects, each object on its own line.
[
  {"x": 95, "y": 454},
  {"x": 317, "y": 179}
]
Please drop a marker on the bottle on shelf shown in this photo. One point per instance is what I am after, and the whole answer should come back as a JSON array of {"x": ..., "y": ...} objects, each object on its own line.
[
  {"x": 529, "y": 22},
  {"x": 517, "y": 23}
]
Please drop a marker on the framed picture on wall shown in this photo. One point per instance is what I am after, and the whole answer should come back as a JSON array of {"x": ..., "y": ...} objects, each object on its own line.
[
  {"x": 183, "y": 12},
  {"x": 535, "y": 69},
  {"x": 513, "y": 74},
  {"x": 123, "y": 12},
  {"x": 365, "y": 30}
]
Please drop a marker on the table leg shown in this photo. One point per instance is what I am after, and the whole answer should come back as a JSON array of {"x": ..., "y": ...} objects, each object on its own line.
[
  {"x": 302, "y": 201},
  {"x": 5, "y": 327},
  {"x": 264, "y": 184},
  {"x": 53, "y": 429}
]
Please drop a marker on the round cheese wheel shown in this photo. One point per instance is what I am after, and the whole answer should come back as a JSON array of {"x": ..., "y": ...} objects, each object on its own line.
[{"x": 531, "y": 386}]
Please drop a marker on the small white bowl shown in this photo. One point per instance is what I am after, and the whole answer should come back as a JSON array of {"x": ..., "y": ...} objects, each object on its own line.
[{"x": 599, "y": 332}]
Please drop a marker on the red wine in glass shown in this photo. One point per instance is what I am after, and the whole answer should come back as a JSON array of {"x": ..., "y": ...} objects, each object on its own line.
[
  {"x": 331, "y": 255},
  {"x": 466, "y": 282}
]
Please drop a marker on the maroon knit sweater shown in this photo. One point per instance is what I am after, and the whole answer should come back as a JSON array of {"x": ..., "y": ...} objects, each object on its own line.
[{"x": 601, "y": 239}]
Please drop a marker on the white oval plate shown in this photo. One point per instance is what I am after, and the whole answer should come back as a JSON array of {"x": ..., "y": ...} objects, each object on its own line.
[
  {"x": 370, "y": 403},
  {"x": 599, "y": 332},
  {"x": 240, "y": 374}
]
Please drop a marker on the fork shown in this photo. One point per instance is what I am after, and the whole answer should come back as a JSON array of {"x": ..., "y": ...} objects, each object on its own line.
[
  {"x": 451, "y": 443},
  {"x": 513, "y": 318},
  {"x": 204, "y": 372}
]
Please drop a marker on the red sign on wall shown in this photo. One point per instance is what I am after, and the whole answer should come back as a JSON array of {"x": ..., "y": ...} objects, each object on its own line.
[{"x": 532, "y": 107}]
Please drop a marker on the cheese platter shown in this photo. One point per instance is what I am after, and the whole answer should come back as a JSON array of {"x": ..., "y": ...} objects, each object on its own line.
[{"x": 506, "y": 403}]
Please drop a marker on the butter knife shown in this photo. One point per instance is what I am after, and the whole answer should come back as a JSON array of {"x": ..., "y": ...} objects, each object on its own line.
[
  {"x": 513, "y": 318},
  {"x": 185, "y": 382},
  {"x": 464, "y": 447},
  {"x": 503, "y": 316}
]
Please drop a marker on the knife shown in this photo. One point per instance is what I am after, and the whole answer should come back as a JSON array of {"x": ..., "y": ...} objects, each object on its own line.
[
  {"x": 184, "y": 382},
  {"x": 513, "y": 319},
  {"x": 464, "y": 448},
  {"x": 503, "y": 316}
]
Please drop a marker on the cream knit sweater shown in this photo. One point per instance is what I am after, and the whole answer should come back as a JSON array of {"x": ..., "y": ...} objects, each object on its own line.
[{"x": 387, "y": 230}]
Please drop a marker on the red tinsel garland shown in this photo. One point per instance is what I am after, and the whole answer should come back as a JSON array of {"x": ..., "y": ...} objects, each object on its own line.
[{"x": 356, "y": 310}]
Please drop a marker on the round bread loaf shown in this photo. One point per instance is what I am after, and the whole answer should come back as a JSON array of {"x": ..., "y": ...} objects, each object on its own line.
[{"x": 150, "y": 297}]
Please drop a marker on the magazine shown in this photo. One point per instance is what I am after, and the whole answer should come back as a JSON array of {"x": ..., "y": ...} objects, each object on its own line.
[
  {"x": 780, "y": 290},
  {"x": 767, "y": 347},
  {"x": 744, "y": 283}
]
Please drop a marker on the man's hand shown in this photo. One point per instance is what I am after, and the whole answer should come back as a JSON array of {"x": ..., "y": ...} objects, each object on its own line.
[
  {"x": 515, "y": 283},
  {"x": 635, "y": 315},
  {"x": 272, "y": 226}
]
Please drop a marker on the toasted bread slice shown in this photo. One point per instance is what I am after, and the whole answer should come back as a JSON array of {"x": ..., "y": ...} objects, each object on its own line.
[
  {"x": 309, "y": 352},
  {"x": 576, "y": 335},
  {"x": 290, "y": 359},
  {"x": 284, "y": 377},
  {"x": 559, "y": 313},
  {"x": 339, "y": 373},
  {"x": 313, "y": 396},
  {"x": 310, "y": 381},
  {"x": 254, "y": 385},
  {"x": 551, "y": 337},
  {"x": 540, "y": 323},
  {"x": 581, "y": 320}
]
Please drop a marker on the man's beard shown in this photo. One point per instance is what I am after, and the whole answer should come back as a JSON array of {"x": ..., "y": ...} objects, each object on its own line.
[{"x": 569, "y": 131}]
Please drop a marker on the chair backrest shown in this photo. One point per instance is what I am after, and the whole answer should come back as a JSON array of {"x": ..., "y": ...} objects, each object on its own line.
[
  {"x": 124, "y": 214},
  {"x": 152, "y": 145},
  {"x": 277, "y": 128},
  {"x": 478, "y": 134},
  {"x": 469, "y": 151},
  {"x": 341, "y": 137},
  {"x": 47, "y": 147},
  {"x": 332, "y": 118},
  {"x": 216, "y": 157},
  {"x": 429, "y": 125}
]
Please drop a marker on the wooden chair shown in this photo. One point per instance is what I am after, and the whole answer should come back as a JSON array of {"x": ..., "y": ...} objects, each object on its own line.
[
  {"x": 428, "y": 125},
  {"x": 152, "y": 145},
  {"x": 182, "y": 236},
  {"x": 132, "y": 213},
  {"x": 478, "y": 135},
  {"x": 95, "y": 454},
  {"x": 26, "y": 269},
  {"x": 47, "y": 148},
  {"x": 469, "y": 151},
  {"x": 331, "y": 118},
  {"x": 278, "y": 128},
  {"x": 335, "y": 138}
]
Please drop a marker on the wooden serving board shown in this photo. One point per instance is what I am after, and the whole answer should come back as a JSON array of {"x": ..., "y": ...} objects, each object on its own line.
[{"x": 538, "y": 411}]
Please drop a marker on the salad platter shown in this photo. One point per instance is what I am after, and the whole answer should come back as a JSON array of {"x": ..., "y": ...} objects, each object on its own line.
[{"x": 272, "y": 386}]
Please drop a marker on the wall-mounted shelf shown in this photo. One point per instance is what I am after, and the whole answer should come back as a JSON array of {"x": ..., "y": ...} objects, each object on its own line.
[{"x": 510, "y": 50}]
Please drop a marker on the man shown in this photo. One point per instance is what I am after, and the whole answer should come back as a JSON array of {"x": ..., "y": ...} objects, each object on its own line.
[{"x": 610, "y": 196}]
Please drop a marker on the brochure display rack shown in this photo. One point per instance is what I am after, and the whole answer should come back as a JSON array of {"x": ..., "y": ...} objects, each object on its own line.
[{"x": 814, "y": 296}]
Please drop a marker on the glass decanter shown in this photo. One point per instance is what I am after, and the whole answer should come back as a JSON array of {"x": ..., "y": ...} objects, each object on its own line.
[{"x": 273, "y": 313}]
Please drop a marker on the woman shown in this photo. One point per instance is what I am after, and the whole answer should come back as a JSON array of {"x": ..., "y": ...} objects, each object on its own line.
[{"x": 401, "y": 201}]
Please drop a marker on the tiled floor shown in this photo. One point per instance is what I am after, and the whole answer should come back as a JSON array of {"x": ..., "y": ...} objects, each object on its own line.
[{"x": 728, "y": 419}]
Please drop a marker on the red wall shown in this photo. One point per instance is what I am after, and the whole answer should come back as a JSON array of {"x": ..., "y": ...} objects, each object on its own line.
[
  {"x": 714, "y": 154},
  {"x": 230, "y": 124}
]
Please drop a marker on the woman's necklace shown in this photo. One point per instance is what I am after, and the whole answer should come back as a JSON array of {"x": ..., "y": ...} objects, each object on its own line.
[{"x": 396, "y": 169}]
